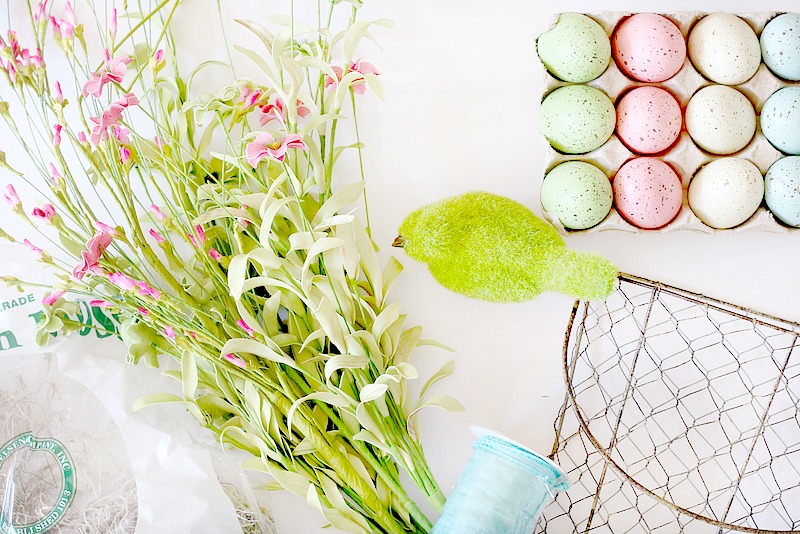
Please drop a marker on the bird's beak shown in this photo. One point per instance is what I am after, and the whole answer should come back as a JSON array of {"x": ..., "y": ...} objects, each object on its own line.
[{"x": 399, "y": 241}]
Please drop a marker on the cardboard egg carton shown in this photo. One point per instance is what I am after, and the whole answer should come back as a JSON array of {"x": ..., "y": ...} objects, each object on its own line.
[{"x": 684, "y": 156}]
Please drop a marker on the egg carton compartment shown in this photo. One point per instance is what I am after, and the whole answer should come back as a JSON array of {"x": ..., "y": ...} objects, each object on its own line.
[{"x": 684, "y": 156}]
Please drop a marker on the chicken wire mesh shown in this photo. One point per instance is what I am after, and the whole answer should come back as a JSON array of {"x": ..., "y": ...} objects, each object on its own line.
[{"x": 681, "y": 415}]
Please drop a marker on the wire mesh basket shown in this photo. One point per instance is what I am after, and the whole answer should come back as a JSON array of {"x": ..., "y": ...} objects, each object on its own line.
[{"x": 681, "y": 415}]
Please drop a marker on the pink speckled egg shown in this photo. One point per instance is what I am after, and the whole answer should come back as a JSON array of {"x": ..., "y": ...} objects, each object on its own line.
[
  {"x": 647, "y": 193},
  {"x": 648, "y": 47},
  {"x": 648, "y": 120}
]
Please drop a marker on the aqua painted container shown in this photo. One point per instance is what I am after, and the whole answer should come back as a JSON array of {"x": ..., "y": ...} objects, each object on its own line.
[{"x": 503, "y": 490}]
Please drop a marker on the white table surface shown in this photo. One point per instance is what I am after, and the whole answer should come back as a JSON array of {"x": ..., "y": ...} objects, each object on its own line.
[{"x": 463, "y": 85}]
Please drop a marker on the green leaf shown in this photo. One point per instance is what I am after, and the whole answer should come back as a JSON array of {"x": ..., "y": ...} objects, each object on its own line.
[
  {"x": 344, "y": 361},
  {"x": 252, "y": 346},
  {"x": 323, "y": 396},
  {"x": 291, "y": 482},
  {"x": 408, "y": 341},
  {"x": 445, "y": 402},
  {"x": 385, "y": 319},
  {"x": 188, "y": 375},
  {"x": 304, "y": 447},
  {"x": 155, "y": 398},
  {"x": 434, "y": 343},
  {"x": 345, "y": 196},
  {"x": 261, "y": 32},
  {"x": 371, "y": 392},
  {"x": 445, "y": 370}
]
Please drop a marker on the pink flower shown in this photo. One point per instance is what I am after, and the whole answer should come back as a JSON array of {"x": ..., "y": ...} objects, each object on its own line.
[
  {"x": 41, "y": 11},
  {"x": 159, "y": 55},
  {"x": 159, "y": 142},
  {"x": 170, "y": 333},
  {"x": 111, "y": 116},
  {"x": 249, "y": 96},
  {"x": 112, "y": 26},
  {"x": 191, "y": 335},
  {"x": 235, "y": 360},
  {"x": 113, "y": 71},
  {"x": 57, "y": 134},
  {"x": 264, "y": 145},
  {"x": 33, "y": 247},
  {"x": 12, "y": 73},
  {"x": 201, "y": 235},
  {"x": 146, "y": 290},
  {"x": 100, "y": 303},
  {"x": 59, "y": 94},
  {"x": 82, "y": 137},
  {"x": 122, "y": 281},
  {"x": 214, "y": 253},
  {"x": 103, "y": 227},
  {"x": 158, "y": 237},
  {"x": 359, "y": 83},
  {"x": 124, "y": 154},
  {"x": 11, "y": 196},
  {"x": 121, "y": 133},
  {"x": 52, "y": 297},
  {"x": 143, "y": 311},
  {"x": 55, "y": 176},
  {"x": 246, "y": 327},
  {"x": 90, "y": 257},
  {"x": 277, "y": 110},
  {"x": 45, "y": 213},
  {"x": 157, "y": 212}
]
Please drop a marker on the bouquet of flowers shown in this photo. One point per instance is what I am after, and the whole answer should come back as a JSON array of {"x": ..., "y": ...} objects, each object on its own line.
[{"x": 208, "y": 224}]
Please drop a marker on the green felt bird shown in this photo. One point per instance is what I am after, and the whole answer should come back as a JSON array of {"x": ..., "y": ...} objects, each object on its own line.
[{"x": 489, "y": 247}]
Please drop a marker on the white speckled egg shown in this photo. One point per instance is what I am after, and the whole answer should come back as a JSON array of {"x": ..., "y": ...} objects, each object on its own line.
[
  {"x": 575, "y": 49},
  {"x": 780, "y": 120},
  {"x": 726, "y": 192},
  {"x": 578, "y": 193},
  {"x": 782, "y": 190},
  {"x": 720, "y": 119},
  {"x": 724, "y": 48},
  {"x": 780, "y": 46},
  {"x": 577, "y": 118}
]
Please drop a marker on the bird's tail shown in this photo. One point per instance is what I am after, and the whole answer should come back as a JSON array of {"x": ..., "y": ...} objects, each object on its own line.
[{"x": 582, "y": 275}]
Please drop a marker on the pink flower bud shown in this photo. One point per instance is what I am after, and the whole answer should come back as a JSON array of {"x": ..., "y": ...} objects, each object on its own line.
[
  {"x": 57, "y": 134},
  {"x": 52, "y": 297},
  {"x": 235, "y": 360},
  {"x": 158, "y": 237},
  {"x": 157, "y": 212},
  {"x": 144, "y": 311},
  {"x": 45, "y": 213},
  {"x": 58, "y": 94},
  {"x": 112, "y": 26},
  {"x": 122, "y": 281},
  {"x": 34, "y": 248},
  {"x": 82, "y": 137},
  {"x": 124, "y": 154},
  {"x": 170, "y": 333},
  {"x": 11, "y": 196},
  {"x": 246, "y": 327},
  {"x": 100, "y": 303},
  {"x": 214, "y": 253}
]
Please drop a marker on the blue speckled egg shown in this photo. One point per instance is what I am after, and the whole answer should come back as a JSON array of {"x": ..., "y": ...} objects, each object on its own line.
[
  {"x": 780, "y": 120},
  {"x": 780, "y": 46},
  {"x": 782, "y": 190},
  {"x": 578, "y": 193}
]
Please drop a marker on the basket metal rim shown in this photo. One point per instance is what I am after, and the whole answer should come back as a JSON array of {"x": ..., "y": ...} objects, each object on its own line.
[{"x": 738, "y": 311}]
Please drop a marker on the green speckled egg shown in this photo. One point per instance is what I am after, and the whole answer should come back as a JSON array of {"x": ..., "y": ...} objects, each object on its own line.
[
  {"x": 577, "y": 119},
  {"x": 578, "y": 193},
  {"x": 575, "y": 49}
]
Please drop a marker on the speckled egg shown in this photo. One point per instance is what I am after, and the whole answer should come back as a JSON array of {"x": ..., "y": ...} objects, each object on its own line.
[
  {"x": 577, "y": 118},
  {"x": 780, "y": 46},
  {"x": 578, "y": 193},
  {"x": 780, "y": 120},
  {"x": 720, "y": 119},
  {"x": 726, "y": 192},
  {"x": 724, "y": 48},
  {"x": 782, "y": 190},
  {"x": 648, "y": 47},
  {"x": 575, "y": 49},
  {"x": 648, "y": 120},
  {"x": 647, "y": 193}
]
